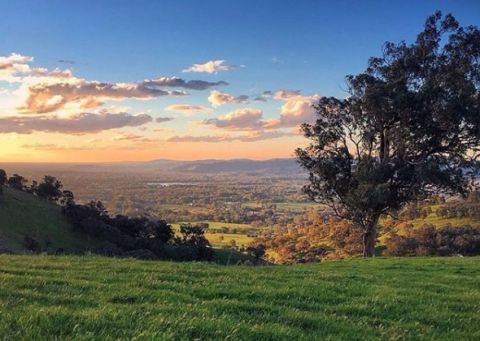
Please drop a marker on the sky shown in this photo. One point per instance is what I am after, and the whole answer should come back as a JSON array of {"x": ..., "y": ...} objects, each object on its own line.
[{"x": 96, "y": 81}]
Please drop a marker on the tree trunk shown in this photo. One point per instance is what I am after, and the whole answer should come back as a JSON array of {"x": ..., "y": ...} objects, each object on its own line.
[{"x": 369, "y": 240}]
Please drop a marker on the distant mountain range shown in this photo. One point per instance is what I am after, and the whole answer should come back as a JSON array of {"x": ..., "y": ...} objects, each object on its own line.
[
  {"x": 272, "y": 166},
  {"x": 237, "y": 165}
]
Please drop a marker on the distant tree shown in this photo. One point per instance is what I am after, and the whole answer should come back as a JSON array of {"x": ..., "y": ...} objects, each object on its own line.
[
  {"x": 17, "y": 182},
  {"x": 3, "y": 179},
  {"x": 410, "y": 128},
  {"x": 256, "y": 251},
  {"x": 50, "y": 188},
  {"x": 194, "y": 242},
  {"x": 67, "y": 198},
  {"x": 32, "y": 188}
]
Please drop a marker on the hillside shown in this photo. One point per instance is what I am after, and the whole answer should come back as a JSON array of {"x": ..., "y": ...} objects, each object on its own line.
[
  {"x": 103, "y": 298},
  {"x": 24, "y": 214}
]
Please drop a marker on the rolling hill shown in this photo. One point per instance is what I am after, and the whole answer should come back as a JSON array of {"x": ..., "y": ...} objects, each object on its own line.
[{"x": 24, "y": 214}]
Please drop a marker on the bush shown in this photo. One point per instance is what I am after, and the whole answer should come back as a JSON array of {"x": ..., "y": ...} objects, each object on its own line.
[
  {"x": 31, "y": 244},
  {"x": 429, "y": 241}
]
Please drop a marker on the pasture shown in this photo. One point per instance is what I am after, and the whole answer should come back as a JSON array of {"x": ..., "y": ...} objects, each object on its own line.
[{"x": 70, "y": 297}]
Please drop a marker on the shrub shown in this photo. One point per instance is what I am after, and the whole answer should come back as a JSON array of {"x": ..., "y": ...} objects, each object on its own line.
[
  {"x": 31, "y": 244},
  {"x": 429, "y": 241}
]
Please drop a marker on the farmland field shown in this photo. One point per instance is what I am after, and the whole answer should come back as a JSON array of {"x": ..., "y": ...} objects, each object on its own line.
[{"x": 68, "y": 297}]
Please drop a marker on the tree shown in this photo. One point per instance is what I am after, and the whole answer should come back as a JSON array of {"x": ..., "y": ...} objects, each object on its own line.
[
  {"x": 410, "y": 128},
  {"x": 67, "y": 198},
  {"x": 3, "y": 179},
  {"x": 17, "y": 182},
  {"x": 50, "y": 188}
]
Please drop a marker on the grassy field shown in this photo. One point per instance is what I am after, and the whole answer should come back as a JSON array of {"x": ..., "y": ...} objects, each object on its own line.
[
  {"x": 216, "y": 225},
  {"x": 22, "y": 213},
  {"x": 220, "y": 240},
  {"x": 433, "y": 219},
  {"x": 224, "y": 239},
  {"x": 100, "y": 298}
]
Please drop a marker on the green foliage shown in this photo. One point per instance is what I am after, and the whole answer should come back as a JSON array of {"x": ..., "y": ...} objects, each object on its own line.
[
  {"x": 3, "y": 177},
  {"x": 429, "y": 241},
  {"x": 17, "y": 182},
  {"x": 50, "y": 188},
  {"x": 24, "y": 214},
  {"x": 44, "y": 298},
  {"x": 408, "y": 129}
]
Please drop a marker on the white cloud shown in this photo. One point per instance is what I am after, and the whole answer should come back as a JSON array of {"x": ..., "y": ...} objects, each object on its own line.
[
  {"x": 212, "y": 66},
  {"x": 218, "y": 98},
  {"x": 240, "y": 119},
  {"x": 43, "y": 91},
  {"x": 296, "y": 110},
  {"x": 188, "y": 108}
]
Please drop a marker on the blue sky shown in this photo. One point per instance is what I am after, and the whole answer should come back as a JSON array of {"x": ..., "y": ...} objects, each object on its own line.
[{"x": 297, "y": 45}]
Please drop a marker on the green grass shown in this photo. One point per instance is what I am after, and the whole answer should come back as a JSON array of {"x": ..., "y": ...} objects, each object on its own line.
[
  {"x": 433, "y": 219},
  {"x": 22, "y": 213},
  {"x": 296, "y": 206},
  {"x": 217, "y": 224},
  {"x": 216, "y": 240},
  {"x": 47, "y": 297}
]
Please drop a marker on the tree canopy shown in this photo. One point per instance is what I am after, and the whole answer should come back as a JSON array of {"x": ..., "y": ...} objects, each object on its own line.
[{"x": 409, "y": 127}]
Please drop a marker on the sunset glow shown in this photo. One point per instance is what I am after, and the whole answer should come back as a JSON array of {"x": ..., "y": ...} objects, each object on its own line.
[{"x": 169, "y": 80}]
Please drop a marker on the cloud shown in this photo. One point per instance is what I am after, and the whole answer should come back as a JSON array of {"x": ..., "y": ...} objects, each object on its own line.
[
  {"x": 266, "y": 135},
  {"x": 212, "y": 66},
  {"x": 240, "y": 119},
  {"x": 54, "y": 147},
  {"x": 175, "y": 82},
  {"x": 133, "y": 137},
  {"x": 188, "y": 108},
  {"x": 43, "y": 90},
  {"x": 14, "y": 61},
  {"x": 218, "y": 98},
  {"x": 13, "y": 64},
  {"x": 206, "y": 138},
  {"x": 296, "y": 110},
  {"x": 14, "y": 68},
  {"x": 163, "y": 119},
  {"x": 252, "y": 137},
  {"x": 260, "y": 99},
  {"x": 276, "y": 60},
  {"x": 66, "y": 61},
  {"x": 44, "y": 98},
  {"x": 56, "y": 73},
  {"x": 264, "y": 96},
  {"x": 286, "y": 94},
  {"x": 78, "y": 124}
]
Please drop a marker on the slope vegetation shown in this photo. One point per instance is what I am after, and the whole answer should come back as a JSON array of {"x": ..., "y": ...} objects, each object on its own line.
[{"x": 23, "y": 214}]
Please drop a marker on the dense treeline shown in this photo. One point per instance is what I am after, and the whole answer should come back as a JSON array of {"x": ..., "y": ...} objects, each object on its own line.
[
  {"x": 431, "y": 241},
  {"x": 118, "y": 235},
  {"x": 469, "y": 208},
  {"x": 318, "y": 235},
  {"x": 318, "y": 239}
]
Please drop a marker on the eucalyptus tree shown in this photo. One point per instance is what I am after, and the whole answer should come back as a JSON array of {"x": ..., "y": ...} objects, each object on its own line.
[{"x": 410, "y": 127}]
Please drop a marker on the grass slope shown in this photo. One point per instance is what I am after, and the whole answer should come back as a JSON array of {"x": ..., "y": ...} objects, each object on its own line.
[
  {"x": 47, "y": 297},
  {"x": 22, "y": 213}
]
